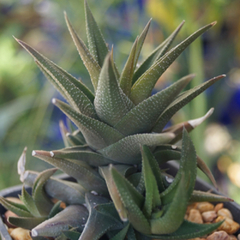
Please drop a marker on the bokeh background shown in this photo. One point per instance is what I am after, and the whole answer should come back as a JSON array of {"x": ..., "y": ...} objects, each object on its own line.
[{"x": 27, "y": 117}]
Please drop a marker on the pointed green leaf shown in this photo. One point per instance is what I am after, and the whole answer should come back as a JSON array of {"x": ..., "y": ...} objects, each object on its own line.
[
  {"x": 16, "y": 208},
  {"x": 200, "y": 196},
  {"x": 84, "y": 174},
  {"x": 77, "y": 94},
  {"x": 174, "y": 215},
  {"x": 111, "y": 103},
  {"x": 121, "y": 235},
  {"x": 152, "y": 196},
  {"x": 131, "y": 146},
  {"x": 97, "y": 223},
  {"x": 128, "y": 70},
  {"x": 96, "y": 43},
  {"x": 97, "y": 134},
  {"x": 143, "y": 116},
  {"x": 79, "y": 136},
  {"x": 132, "y": 200},
  {"x": 188, "y": 166},
  {"x": 72, "y": 216},
  {"x": 106, "y": 173},
  {"x": 90, "y": 63},
  {"x": 41, "y": 200},
  {"x": 55, "y": 209},
  {"x": 189, "y": 230},
  {"x": 92, "y": 158},
  {"x": 143, "y": 87},
  {"x": 140, "y": 42},
  {"x": 29, "y": 202},
  {"x": 181, "y": 101},
  {"x": 26, "y": 222},
  {"x": 156, "y": 54},
  {"x": 63, "y": 131}
]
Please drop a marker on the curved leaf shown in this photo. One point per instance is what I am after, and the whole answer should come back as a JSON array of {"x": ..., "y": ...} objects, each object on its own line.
[
  {"x": 77, "y": 94},
  {"x": 84, "y": 174},
  {"x": 111, "y": 103},
  {"x": 73, "y": 215},
  {"x": 96, "y": 43},
  {"x": 90, "y": 63},
  {"x": 97, "y": 134},
  {"x": 181, "y": 101},
  {"x": 143, "y": 116},
  {"x": 156, "y": 54},
  {"x": 143, "y": 87},
  {"x": 26, "y": 222},
  {"x": 131, "y": 146}
]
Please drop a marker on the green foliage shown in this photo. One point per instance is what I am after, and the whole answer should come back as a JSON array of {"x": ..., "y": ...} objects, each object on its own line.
[{"x": 115, "y": 155}]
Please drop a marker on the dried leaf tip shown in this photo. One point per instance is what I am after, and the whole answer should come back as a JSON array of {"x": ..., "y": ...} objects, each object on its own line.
[
  {"x": 52, "y": 154},
  {"x": 34, "y": 153},
  {"x": 195, "y": 122},
  {"x": 34, "y": 233},
  {"x": 54, "y": 101},
  {"x": 214, "y": 23},
  {"x": 21, "y": 164}
]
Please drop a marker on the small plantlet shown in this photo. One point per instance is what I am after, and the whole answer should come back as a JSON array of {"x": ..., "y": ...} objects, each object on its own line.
[{"x": 115, "y": 154}]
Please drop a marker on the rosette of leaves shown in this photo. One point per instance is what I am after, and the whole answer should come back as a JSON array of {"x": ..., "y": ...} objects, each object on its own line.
[{"x": 120, "y": 141}]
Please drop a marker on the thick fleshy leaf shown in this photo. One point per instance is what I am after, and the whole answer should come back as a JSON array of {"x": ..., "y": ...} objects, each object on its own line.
[
  {"x": 111, "y": 103},
  {"x": 96, "y": 43},
  {"x": 106, "y": 173},
  {"x": 90, "y": 63},
  {"x": 79, "y": 136},
  {"x": 189, "y": 230},
  {"x": 72, "y": 216},
  {"x": 143, "y": 87},
  {"x": 152, "y": 196},
  {"x": 76, "y": 93},
  {"x": 92, "y": 158},
  {"x": 181, "y": 101},
  {"x": 140, "y": 42},
  {"x": 97, "y": 223},
  {"x": 17, "y": 208},
  {"x": 26, "y": 222},
  {"x": 121, "y": 234},
  {"x": 97, "y": 134},
  {"x": 128, "y": 70},
  {"x": 156, "y": 54},
  {"x": 131, "y": 146},
  {"x": 188, "y": 166},
  {"x": 66, "y": 191},
  {"x": 29, "y": 202},
  {"x": 132, "y": 201},
  {"x": 41, "y": 200},
  {"x": 200, "y": 196},
  {"x": 143, "y": 116},
  {"x": 83, "y": 173},
  {"x": 174, "y": 215}
]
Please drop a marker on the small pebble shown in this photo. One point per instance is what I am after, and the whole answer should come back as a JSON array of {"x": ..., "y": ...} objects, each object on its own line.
[
  {"x": 220, "y": 235},
  {"x": 20, "y": 234},
  {"x": 225, "y": 213},
  {"x": 209, "y": 216},
  {"x": 195, "y": 216},
  {"x": 205, "y": 206},
  {"x": 218, "y": 207},
  {"x": 229, "y": 226}
]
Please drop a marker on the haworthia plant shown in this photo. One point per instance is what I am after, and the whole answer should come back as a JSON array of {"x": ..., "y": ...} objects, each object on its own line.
[{"x": 115, "y": 149}]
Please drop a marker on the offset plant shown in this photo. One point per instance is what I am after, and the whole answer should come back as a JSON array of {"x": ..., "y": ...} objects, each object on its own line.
[{"x": 115, "y": 155}]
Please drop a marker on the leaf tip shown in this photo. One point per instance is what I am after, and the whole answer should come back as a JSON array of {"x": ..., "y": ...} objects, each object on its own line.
[
  {"x": 54, "y": 100},
  {"x": 34, "y": 233},
  {"x": 214, "y": 23}
]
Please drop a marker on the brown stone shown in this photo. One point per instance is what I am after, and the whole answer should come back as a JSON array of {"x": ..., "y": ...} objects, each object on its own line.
[
  {"x": 228, "y": 225},
  {"x": 195, "y": 216},
  {"x": 205, "y": 206},
  {"x": 218, "y": 207},
  {"x": 225, "y": 213},
  {"x": 220, "y": 235},
  {"x": 209, "y": 216},
  {"x": 20, "y": 234}
]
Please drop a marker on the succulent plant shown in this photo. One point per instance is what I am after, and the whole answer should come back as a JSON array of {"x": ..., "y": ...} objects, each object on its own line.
[{"x": 116, "y": 150}]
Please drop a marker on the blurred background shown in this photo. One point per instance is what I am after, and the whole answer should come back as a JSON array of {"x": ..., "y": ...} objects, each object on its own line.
[{"x": 27, "y": 117}]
